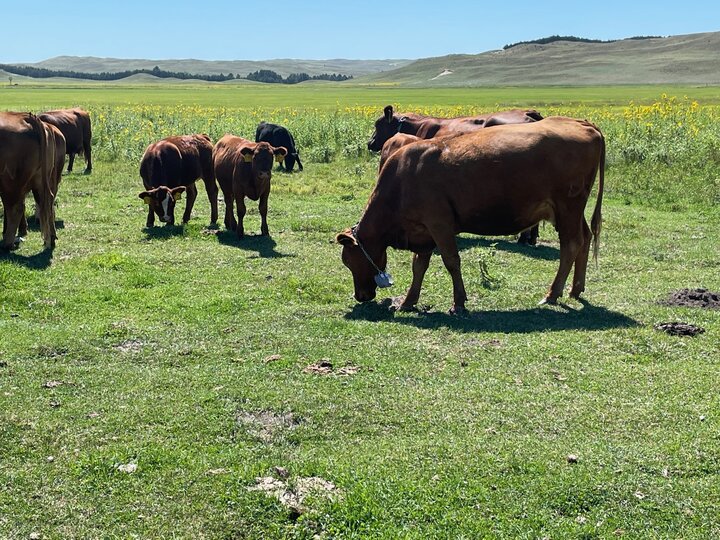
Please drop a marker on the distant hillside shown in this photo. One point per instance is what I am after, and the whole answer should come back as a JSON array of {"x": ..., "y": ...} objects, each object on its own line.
[
  {"x": 687, "y": 59},
  {"x": 284, "y": 67}
]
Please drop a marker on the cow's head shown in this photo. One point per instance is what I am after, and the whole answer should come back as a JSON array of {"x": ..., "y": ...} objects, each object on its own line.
[
  {"x": 262, "y": 157},
  {"x": 363, "y": 271},
  {"x": 162, "y": 201},
  {"x": 290, "y": 160},
  {"x": 385, "y": 127}
]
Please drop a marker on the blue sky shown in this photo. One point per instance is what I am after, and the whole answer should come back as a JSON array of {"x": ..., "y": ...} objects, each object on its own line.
[{"x": 34, "y": 30}]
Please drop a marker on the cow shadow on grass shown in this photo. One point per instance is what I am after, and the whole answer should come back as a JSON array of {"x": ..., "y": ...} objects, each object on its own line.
[
  {"x": 38, "y": 261},
  {"x": 264, "y": 245},
  {"x": 521, "y": 321},
  {"x": 34, "y": 224},
  {"x": 546, "y": 253},
  {"x": 163, "y": 232}
]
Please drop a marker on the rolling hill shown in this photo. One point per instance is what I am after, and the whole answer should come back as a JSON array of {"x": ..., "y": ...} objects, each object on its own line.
[
  {"x": 90, "y": 64},
  {"x": 686, "y": 59}
]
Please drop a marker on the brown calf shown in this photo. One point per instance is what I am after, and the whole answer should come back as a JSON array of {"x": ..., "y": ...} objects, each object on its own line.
[
  {"x": 171, "y": 166},
  {"x": 243, "y": 169}
]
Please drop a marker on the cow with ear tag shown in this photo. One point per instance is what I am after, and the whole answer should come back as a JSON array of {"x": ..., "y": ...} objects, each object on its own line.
[
  {"x": 161, "y": 201},
  {"x": 170, "y": 167},
  {"x": 243, "y": 169}
]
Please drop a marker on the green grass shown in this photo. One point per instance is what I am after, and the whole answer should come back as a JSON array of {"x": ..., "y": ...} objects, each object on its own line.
[
  {"x": 43, "y": 94},
  {"x": 453, "y": 427}
]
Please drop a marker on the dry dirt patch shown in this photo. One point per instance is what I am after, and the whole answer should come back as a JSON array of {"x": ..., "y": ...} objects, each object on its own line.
[
  {"x": 292, "y": 493},
  {"x": 266, "y": 426}
]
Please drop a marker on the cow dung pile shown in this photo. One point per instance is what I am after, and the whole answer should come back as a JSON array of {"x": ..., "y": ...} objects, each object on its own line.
[
  {"x": 701, "y": 298},
  {"x": 680, "y": 329}
]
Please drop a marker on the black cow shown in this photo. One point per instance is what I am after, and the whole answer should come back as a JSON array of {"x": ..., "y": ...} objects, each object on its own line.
[{"x": 278, "y": 136}]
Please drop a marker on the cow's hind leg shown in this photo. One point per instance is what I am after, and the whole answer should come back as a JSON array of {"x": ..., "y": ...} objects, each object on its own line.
[
  {"x": 191, "y": 196},
  {"x": 229, "y": 197},
  {"x": 420, "y": 264},
  {"x": 46, "y": 203},
  {"x": 87, "y": 150},
  {"x": 212, "y": 194},
  {"x": 71, "y": 161},
  {"x": 578, "y": 283},
  {"x": 11, "y": 222},
  {"x": 572, "y": 240},
  {"x": 446, "y": 244}
]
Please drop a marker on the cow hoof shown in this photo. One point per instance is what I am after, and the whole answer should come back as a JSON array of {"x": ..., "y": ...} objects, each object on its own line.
[
  {"x": 548, "y": 300},
  {"x": 398, "y": 304},
  {"x": 460, "y": 311},
  {"x": 87, "y": 171}
]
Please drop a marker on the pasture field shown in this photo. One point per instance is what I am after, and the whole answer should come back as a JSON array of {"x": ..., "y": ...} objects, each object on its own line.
[{"x": 150, "y": 377}]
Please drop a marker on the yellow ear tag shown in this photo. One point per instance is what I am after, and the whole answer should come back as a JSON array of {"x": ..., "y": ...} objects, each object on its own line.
[
  {"x": 177, "y": 196},
  {"x": 247, "y": 158},
  {"x": 147, "y": 199},
  {"x": 279, "y": 158}
]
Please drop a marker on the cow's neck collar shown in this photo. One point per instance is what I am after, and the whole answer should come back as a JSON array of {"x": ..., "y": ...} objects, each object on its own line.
[{"x": 359, "y": 244}]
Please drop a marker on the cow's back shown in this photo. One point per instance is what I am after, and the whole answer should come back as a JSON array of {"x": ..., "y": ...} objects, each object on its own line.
[
  {"x": 161, "y": 165},
  {"x": 275, "y": 135},
  {"x": 226, "y": 155},
  {"x": 74, "y": 125},
  {"x": 519, "y": 170}
]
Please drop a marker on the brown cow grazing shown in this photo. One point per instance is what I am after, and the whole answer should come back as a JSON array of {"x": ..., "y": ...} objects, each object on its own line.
[
  {"x": 394, "y": 126},
  {"x": 494, "y": 181},
  {"x": 171, "y": 166},
  {"x": 55, "y": 176},
  {"x": 243, "y": 169},
  {"x": 27, "y": 153},
  {"x": 427, "y": 127},
  {"x": 75, "y": 127}
]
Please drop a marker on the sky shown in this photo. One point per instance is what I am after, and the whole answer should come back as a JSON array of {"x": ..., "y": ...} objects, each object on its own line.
[{"x": 34, "y": 30}]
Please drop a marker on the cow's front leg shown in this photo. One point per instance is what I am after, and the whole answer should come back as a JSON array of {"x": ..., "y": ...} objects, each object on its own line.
[
  {"x": 263, "y": 208},
  {"x": 420, "y": 264},
  {"x": 191, "y": 192},
  {"x": 240, "y": 203},
  {"x": 71, "y": 160},
  {"x": 150, "y": 222}
]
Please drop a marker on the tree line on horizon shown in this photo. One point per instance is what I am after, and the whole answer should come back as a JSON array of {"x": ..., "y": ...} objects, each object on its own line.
[
  {"x": 553, "y": 38},
  {"x": 263, "y": 75}
]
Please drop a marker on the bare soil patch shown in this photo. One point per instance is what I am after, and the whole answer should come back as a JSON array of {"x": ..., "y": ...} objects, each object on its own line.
[
  {"x": 680, "y": 329},
  {"x": 702, "y": 298}
]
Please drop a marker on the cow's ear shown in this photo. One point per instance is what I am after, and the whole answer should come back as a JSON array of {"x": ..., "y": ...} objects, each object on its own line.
[
  {"x": 346, "y": 238},
  {"x": 388, "y": 113},
  {"x": 177, "y": 192},
  {"x": 145, "y": 196},
  {"x": 247, "y": 154},
  {"x": 280, "y": 153}
]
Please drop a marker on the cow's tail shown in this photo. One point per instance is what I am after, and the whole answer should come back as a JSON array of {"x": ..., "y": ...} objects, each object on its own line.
[
  {"x": 39, "y": 128},
  {"x": 596, "y": 221}
]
